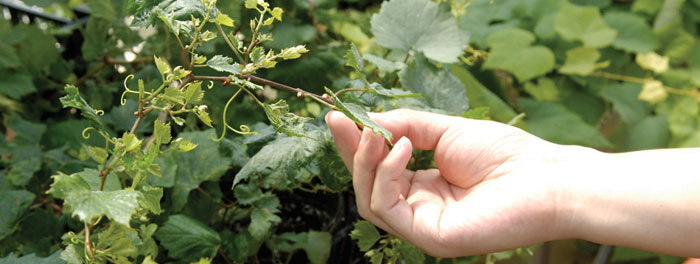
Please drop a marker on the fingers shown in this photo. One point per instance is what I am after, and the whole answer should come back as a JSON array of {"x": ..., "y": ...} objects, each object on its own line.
[
  {"x": 391, "y": 186},
  {"x": 346, "y": 136},
  {"x": 370, "y": 152},
  {"x": 422, "y": 128}
]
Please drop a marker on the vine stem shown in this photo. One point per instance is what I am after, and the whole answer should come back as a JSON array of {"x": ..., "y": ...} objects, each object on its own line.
[
  {"x": 228, "y": 42},
  {"x": 88, "y": 243},
  {"x": 300, "y": 92}
]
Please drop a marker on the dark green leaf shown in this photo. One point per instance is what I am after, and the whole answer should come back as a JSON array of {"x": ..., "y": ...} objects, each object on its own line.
[
  {"x": 33, "y": 258},
  {"x": 317, "y": 245},
  {"x": 544, "y": 119},
  {"x": 419, "y": 25},
  {"x": 187, "y": 239},
  {"x": 440, "y": 88},
  {"x": 15, "y": 85},
  {"x": 635, "y": 34},
  {"x": 8, "y": 57},
  {"x": 13, "y": 205}
]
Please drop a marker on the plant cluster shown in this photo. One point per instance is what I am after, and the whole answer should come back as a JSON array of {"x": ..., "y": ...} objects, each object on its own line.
[{"x": 143, "y": 162}]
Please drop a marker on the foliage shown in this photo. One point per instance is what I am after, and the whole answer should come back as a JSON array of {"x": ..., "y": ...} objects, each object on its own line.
[{"x": 139, "y": 165}]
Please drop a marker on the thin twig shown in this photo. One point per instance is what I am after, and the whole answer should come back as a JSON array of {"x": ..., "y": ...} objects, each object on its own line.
[
  {"x": 300, "y": 92},
  {"x": 91, "y": 73},
  {"x": 88, "y": 243},
  {"x": 228, "y": 42}
]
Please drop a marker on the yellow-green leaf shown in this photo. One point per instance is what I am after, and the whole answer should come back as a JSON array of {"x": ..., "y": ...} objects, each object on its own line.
[{"x": 224, "y": 19}]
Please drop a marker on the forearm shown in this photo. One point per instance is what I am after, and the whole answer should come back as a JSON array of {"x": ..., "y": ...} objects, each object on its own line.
[{"x": 648, "y": 199}]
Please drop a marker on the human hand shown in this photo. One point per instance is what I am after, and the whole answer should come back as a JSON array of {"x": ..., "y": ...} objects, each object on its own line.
[{"x": 494, "y": 188}]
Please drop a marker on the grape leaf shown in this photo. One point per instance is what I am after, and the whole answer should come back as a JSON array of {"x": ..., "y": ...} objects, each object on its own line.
[
  {"x": 585, "y": 24},
  {"x": 544, "y": 119},
  {"x": 187, "y": 239},
  {"x": 261, "y": 220},
  {"x": 440, "y": 88},
  {"x": 544, "y": 90},
  {"x": 280, "y": 160},
  {"x": 88, "y": 204},
  {"x": 517, "y": 56},
  {"x": 284, "y": 121},
  {"x": 624, "y": 99},
  {"x": 582, "y": 61},
  {"x": 13, "y": 205},
  {"x": 15, "y": 85},
  {"x": 635, "y": 35},
  {"x": 162, "y": 132},
  {"x": 317, "y": 245},
  {"x": 37, "y": 50},
  {"x": 8, "y": 56},
  {"x": 205, "y": 163},
  {"x": 224, "y": 64},
  {"x": 359, "y": 115},
  {"x": 420, "y": 25},
  {"x": 32, "y": 258},
  {"x": 366, "y": 235}
]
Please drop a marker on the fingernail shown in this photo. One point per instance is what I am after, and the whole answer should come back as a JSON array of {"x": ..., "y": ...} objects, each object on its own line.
[{"x": 366, "y": 136}]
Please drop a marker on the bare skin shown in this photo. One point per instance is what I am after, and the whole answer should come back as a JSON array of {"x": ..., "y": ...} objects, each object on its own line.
[{"x": 497, "y": 188}]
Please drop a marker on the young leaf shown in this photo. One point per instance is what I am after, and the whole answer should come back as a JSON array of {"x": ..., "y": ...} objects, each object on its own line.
[
  {"x": 224, "y": 19},
  {"x": 161, "y": 132},
  {"x": 163, "y": 66},
  {"x": 511, "y": 47},
  {"x": 193, "y": 93},
  {"x": 284, "y": 121},
  {"x": 73, "y": 99},
  {"x": 582, "y": 61},
  {"x": 293, "y": 52},
  {"x": 201, "y": 112},
  {"x": 257, "y": 55},
  {"x": 224, "y": 64},
  {"x": 277, "y": 13},
  {"x": 401, "y": 24},
  {"x": 653, "y": 61},
  {"x": 251, "y": 4},
  {"x": 366, "y": 235},
  {"x": 187, "y": 239},
  {"x": 182, "y": 145},
  {"x": 359, "y": 115}
]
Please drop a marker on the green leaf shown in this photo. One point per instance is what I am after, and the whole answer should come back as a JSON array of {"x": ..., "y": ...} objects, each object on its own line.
[
  {"x": 649, "y": 133},
  {"x": 582, "y": 61},
  {"x": 384, "y": 66},
  {"x": 87, "y": 204},
  {"x": 224, "y": 19},
  {"x": 333, "y": 174},
  {"x": 354, "y": 60},
  {"x": 224, "y": 64},
  {"x": 358, "y": 115},
  {"x": 187, "y": 239},
  {"x": 635, "y": 34},
  {"x": 261, "y": 220},
  {"x": 544, "y": 119},
  {"x": 161, "y": 132},
  {"x": 150, "y": 199},
  {"x": 366, "y": 235},
  {"x": 279, "y": 161},
  {"x": 440, "y": 88},
  {"x": 13, "y": 205},
  {"x": 203, "y": 115},
  {"x": 518, "y": 57},
  {"x": 74, "y": 100},
  {"x": 284, "y": 121},
  {"x": 653, "y": 62},
  {"x": 37, "y": 50},
  {"x": 205, "y": 163},
  {"x": 8, "y": 57},
  {"x": 183, "y": 145},
  {"x": 419, "y": 25},
  {"x": 15, "y": 85},
  {"x": 478, "y": 113},
  {"x": 33, "y": 258},
  {"x": 246, "y": 194},
  {"x": 98, "y": 154},
  {"x": 584, "y": 24}
]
